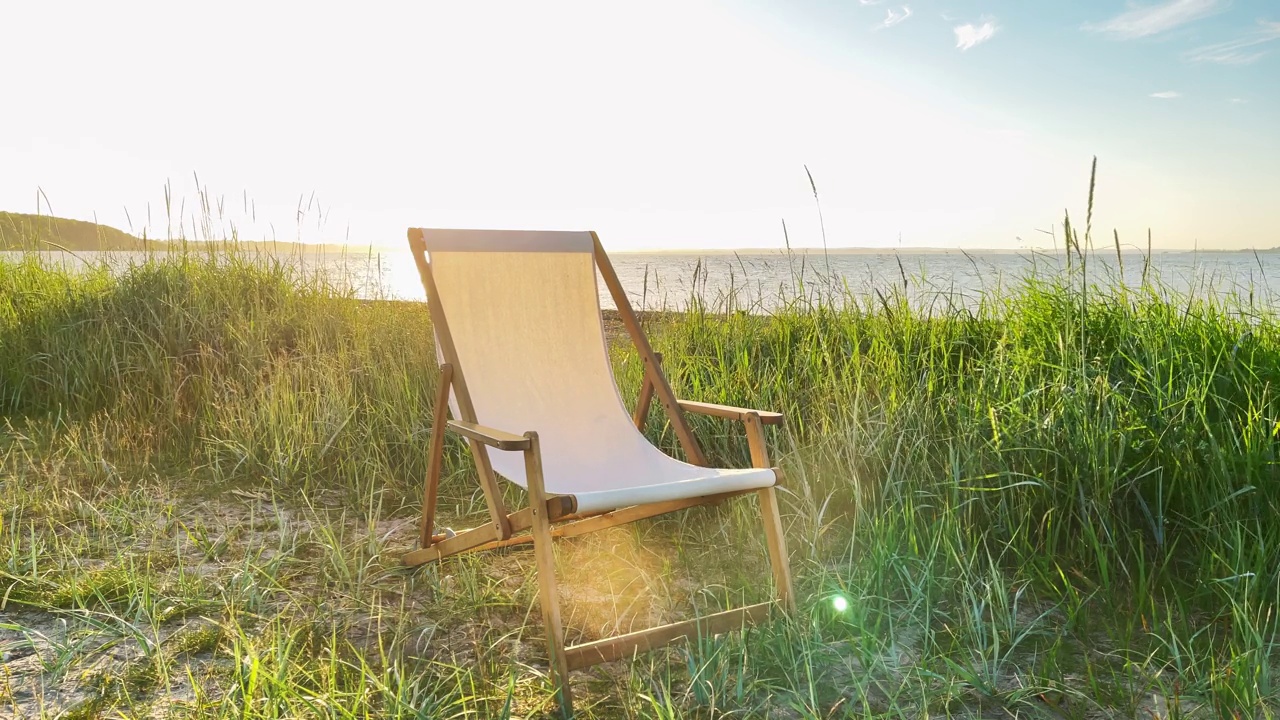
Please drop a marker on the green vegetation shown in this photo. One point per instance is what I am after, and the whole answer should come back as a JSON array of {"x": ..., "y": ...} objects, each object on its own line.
[{"x": 1059, "y": 504}]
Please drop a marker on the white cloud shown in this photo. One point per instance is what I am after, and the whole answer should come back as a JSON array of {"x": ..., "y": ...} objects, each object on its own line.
[
  {"x": 1166, "y": 95},
  {"x": 869, "y": 2},
  {"x": 970, "y": 35},
  {"x": 1242, "y": 50},
  {"x": 893, "y": 17},
  {"x": 1154, "y": 19},
  {"x": 1237, "y": 101}
]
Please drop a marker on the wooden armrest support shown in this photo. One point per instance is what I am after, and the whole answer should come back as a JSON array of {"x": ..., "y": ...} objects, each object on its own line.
[
  {"x": 729, "y": 412},
  {"x": 487, "y": 435}
]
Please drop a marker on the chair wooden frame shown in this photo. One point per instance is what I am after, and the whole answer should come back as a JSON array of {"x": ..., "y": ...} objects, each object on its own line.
[{"x": 551, "y": 516}]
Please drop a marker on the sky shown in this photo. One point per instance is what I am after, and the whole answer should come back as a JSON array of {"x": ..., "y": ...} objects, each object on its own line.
[{"x": 663, "y": 124}]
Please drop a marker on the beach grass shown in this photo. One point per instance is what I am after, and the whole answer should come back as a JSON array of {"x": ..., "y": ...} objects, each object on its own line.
[{"x": 1057, "y": 501}]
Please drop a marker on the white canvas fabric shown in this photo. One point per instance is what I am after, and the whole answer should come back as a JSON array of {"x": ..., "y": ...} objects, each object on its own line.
[{"x": 524, "y": 314}]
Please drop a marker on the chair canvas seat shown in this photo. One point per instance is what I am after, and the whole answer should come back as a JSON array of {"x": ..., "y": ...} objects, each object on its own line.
[{"x": 523, "y": 310}]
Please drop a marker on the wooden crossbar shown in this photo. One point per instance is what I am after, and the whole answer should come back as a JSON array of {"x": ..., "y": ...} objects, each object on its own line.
[
  {"x": 464, "y": 540},
  {"x": 573, "y": 526},
  {"x": 559, "y": 510},
  {"x": 558, "y": 507},
  {"x": 622, "y": 646}
]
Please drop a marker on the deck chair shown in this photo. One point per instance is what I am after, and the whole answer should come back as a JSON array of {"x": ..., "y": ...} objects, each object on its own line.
[{"x": 525, "y": 373}]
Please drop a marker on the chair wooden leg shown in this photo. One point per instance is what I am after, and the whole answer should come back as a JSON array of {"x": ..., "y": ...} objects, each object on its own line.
[
  {"x": 548, "y": 594},
  {"x": 645, "y": 400},
  {"x": 773, "y": 534},
  {"x": 777, "y": 548},
  {"x": 436, "y": 458}
]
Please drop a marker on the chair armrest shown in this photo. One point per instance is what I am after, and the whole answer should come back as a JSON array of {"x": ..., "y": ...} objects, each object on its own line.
[
  {"x": 487, "y": 435},
  {"x": 729, "y": 412}
]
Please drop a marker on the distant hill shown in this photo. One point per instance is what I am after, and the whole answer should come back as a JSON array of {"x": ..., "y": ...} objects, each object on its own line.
[{"x": 20, "y": 231}]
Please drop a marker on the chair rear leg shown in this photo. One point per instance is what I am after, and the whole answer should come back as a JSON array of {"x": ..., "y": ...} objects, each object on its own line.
[
  {"x": 548, "y": 593},
  {"x": 435, "y": 459},
  {"x": 777, "y": 548},
  {"x": 776, "y": 540}
]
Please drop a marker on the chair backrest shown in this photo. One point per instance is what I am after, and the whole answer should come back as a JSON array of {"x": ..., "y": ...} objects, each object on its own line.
[{"x": 522, "y": 310}]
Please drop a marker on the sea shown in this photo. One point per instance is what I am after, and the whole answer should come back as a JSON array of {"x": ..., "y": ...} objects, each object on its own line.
[{"x": 763, "y": 281}]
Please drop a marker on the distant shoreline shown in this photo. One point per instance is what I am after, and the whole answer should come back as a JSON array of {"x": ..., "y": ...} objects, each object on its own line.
[
  {"x": 294, "y": 248},
  {"x": 22, "y": 232}
]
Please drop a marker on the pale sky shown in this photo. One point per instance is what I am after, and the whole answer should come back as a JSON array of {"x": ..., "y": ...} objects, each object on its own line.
[{"x": 660, "y": 124}]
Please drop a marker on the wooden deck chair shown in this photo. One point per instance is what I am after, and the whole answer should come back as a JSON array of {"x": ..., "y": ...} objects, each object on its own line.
[{"x": 525, "y": 372}]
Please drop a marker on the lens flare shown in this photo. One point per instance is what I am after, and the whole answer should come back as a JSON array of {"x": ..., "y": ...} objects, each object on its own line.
[{"x": 839, "y": 603}]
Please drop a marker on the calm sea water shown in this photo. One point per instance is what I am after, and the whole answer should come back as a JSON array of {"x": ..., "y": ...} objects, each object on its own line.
[{"x": 759, "y": 281}]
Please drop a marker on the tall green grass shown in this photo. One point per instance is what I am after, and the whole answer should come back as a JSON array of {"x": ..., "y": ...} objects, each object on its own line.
[
  {"x": 1059, "y": 500},
  {"x": 1112, "y": 456},
  {"x": 241, "y": 365}
]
